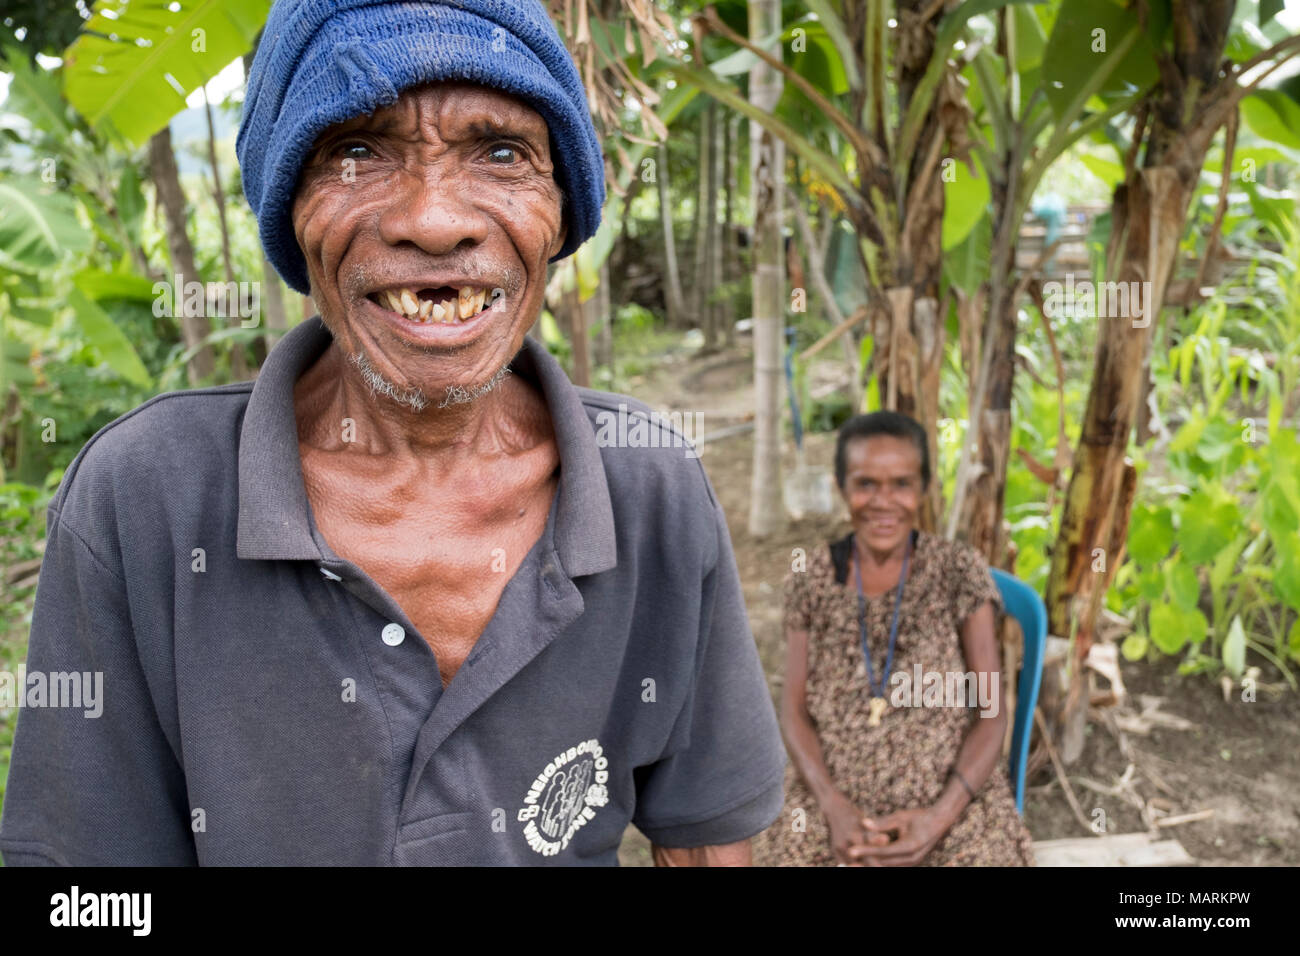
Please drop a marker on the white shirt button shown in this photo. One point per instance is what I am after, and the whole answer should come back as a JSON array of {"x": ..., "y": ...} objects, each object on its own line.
[{"x": 394, "y": 634}]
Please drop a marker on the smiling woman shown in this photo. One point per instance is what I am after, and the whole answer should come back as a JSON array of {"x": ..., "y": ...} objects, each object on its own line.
[{"x": 879, "y": 778}]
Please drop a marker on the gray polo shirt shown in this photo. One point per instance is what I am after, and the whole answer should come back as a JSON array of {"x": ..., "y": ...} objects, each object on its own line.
[{"x": 265, "y": 702}]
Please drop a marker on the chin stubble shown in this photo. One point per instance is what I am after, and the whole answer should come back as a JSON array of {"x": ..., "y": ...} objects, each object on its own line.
[{"x": 414, "y": 398}]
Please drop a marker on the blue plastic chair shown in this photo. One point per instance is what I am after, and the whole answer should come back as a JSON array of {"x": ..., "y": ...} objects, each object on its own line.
[{"x": 1023, "y": 603}]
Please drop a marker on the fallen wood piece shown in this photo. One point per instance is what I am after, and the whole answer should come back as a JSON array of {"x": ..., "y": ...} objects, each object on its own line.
[
  {"x": 1185, "y": 818},
  {"x": 1120, "y": 849},
  {"x": 1060, "y": 770},
  {"x": 1142, "y": 724}
]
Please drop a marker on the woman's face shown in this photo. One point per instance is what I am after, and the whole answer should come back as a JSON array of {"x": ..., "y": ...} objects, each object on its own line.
[{"x": 882, "y": 487}]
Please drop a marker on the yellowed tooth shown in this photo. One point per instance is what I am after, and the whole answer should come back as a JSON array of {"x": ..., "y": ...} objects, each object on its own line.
[
  {"x": 437, "y": 312},
  {"x": 452, "y": 309},
  {"x": 409, "y": 302},
  {"x": 466, "y": 306},
  {"x": 479, "y": 298},
  {"x": 426, "y": 307},
  {"x": 394, "y": 302}
]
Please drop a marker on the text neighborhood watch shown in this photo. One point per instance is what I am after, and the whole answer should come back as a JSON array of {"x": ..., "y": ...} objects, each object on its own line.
[{"x": 564, "y": 797}]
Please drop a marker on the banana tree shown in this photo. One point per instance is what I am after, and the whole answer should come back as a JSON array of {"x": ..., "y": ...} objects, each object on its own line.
[
  {"x": 1032, "y": 103},
  {"x": 130, "y": 71},
  {"x": 892, "y": 130},
  {"x": 1196, "y": 93}
]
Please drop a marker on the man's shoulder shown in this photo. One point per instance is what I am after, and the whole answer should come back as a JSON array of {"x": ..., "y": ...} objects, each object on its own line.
[
  {"x": 635, "y": 438},
  {"x": 653, "y": 468},
  {"x": 170, "y": 437}
]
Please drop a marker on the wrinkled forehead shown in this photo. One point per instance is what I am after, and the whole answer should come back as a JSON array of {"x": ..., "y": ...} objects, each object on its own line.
[{"x": 451, "y": 109}]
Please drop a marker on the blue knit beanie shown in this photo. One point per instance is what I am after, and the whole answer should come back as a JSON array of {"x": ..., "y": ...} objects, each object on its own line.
[{"x": 324, "y": 61}]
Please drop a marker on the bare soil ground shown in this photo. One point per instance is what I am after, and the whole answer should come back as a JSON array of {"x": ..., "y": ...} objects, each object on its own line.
[{"x": 1241, "y": 760}]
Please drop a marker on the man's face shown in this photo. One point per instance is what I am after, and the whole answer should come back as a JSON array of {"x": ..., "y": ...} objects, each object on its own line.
[{"x": 448, "y": 196}]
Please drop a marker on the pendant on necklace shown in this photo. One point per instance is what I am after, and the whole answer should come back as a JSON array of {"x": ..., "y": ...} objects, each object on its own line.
[{"x": 877, "y": 711}]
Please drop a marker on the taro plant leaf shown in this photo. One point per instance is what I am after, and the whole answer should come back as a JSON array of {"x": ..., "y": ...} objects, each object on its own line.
[
  {"x": 1184, "y": 587},
  {"x": 1278, "y": 514},
  {"x": 1151, "y": 584},
  {"x": 1172, "y": 628},
  {"x": 1208, "y": 524},
  {"x": 1234, "y": 649},
  {"x": 1135, "y": 647},
  {"x": 107, "y": 338},
  {"x": 37, "y": 228},
  {"x": 135, "y": 62},
  {"x": 1150, "y": 534}
]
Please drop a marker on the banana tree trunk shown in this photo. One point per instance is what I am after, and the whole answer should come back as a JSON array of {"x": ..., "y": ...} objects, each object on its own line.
[
  {"x": 908, "y": 330},
  {"x": 767, "y": 166},
  {"x": 1149, "y": 215},
  {"x": 1147, "y": 223}
]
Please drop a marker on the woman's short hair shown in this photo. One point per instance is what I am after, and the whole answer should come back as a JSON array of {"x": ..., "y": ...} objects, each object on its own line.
[{"x": 893, "y": 424}]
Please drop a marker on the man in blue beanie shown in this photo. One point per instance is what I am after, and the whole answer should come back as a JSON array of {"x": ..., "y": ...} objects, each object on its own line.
[{"x": 412, "y": 598}]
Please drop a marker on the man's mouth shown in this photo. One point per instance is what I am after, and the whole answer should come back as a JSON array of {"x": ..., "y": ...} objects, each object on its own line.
[{"x": 445, "y": 305}]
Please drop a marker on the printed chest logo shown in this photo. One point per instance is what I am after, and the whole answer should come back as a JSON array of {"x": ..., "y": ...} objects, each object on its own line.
[{"x": 565, "y": 795}]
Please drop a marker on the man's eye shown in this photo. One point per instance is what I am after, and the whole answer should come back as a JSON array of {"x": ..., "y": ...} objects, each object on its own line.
[
  {"x": 349, "y": 150},
  {"x": 504, "y": 155}
]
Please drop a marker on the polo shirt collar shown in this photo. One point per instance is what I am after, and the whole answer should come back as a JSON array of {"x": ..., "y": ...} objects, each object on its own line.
[{"x": 274, "y": 514}]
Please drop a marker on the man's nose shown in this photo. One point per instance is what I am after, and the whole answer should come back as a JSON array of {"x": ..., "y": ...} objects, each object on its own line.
[{"x": 431, "y": 209}]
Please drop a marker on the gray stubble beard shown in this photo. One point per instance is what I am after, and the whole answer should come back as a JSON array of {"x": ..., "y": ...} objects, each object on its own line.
[{"x": 414, "y": 398}]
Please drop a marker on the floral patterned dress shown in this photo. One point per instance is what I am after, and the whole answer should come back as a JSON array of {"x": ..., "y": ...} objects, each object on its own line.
[{"x": 906, "y": 760}]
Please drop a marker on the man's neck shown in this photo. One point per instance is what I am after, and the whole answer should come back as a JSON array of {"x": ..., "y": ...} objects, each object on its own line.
[{"x": 335, "y": 408}]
